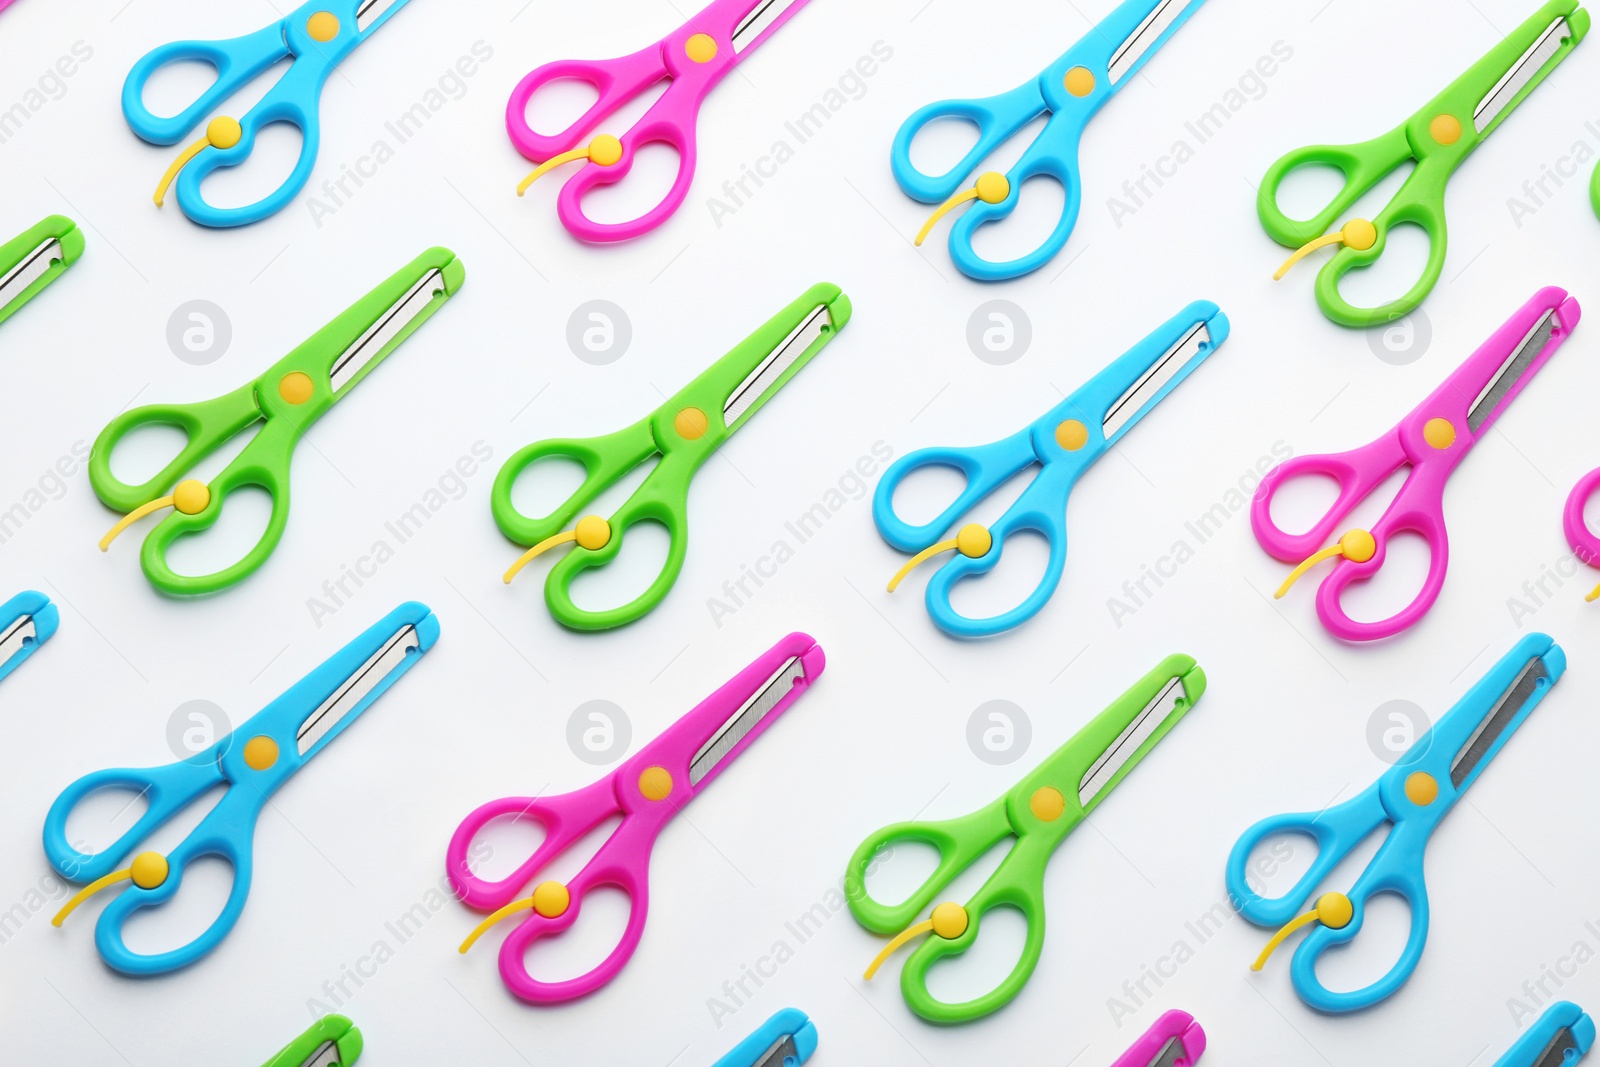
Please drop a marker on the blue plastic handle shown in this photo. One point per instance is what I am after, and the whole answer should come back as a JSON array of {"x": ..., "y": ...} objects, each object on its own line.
[
  {"x": 1053, "y": 154},
  {"x": 1562, "y": 1015},
  {"x": 1042, "y": 506},
  {"x": 45, "y": 619},
  {"x": 790, "y": 1022},
  {"x": 228, "y": 829},
  {"x": 1398, "y": 865},
  {"x": 238, "y": 61}
]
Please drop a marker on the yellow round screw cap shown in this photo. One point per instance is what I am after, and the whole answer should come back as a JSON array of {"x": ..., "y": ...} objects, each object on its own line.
[
  {"x": 592, "y": 532},
  {"x": 1446, "y": 129},
  {"x": 1047, "y": 804},
  {"x": 323, "y": 26},
  {"x": 1359, "y": 234},
  {"x": 191, "y": 497},
  {"x": 1358, "y": 546},
  {"x": 1335, "y": 910},
  {"x": 949, "y": 921},
  {"x": 993, "y": 187},
  {"x": 973, "y": 540},
  {"x": 702, "y": 48},
  {"x": 1422, "y": 789},
  {"x": 691, "y": 424},
  {"x": 149, "y": 869},
  {"x": 260, "y": 753},
  {"x": 1439, "y": 433},
  {"x": 605, "y": 150},
  {"x": 224, "y": 132},
  {"x": 551, "y": 899},
  {"x": 1080, "y": 81},
  {"x": 1072, "y": 435},
  {"x": 296, "y": 387},
  {"x": 655, "y": 783}
]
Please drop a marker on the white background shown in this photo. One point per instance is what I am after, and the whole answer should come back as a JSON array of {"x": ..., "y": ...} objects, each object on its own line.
[{"x": 359, "y": 840}]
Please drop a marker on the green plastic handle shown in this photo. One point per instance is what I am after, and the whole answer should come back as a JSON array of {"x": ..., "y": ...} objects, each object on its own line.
[
  {"x": 13, "y": 252},
  {"x": 663, "y": 497},
  {"x": 265, "y": 461},
  {"x": 330, "y": 1029},
  {"x": 1438, "y": 151},
  {"x": 1018, "y": 881}
]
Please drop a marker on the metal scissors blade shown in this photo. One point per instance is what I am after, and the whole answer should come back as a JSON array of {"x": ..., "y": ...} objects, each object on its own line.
[
  {"x": 1512, "y": 370},
  {"x": 389, "y": 326},
  {"x": 755, "y": 387},
  {"x": 781, "y": 1052},
  {"x": 1128, "y": 54},
  {"x": 1171, "y": 1053},
  {"x": 1146, "y": 723},
  {"x": 33, "y": 267},
  {"x": 1500, "y": 716},
  {"x": 761, "y": 16},
  {"x": 326, "y": 1055},
  {"x": 355, "y": 689},
  {"x": 1527, "y": 67},
  {"x": 17, "y": 638},
  {"x": 749, "y": 715},
  {"x": 1555, "y": 1053},
  {"x": 371, "y": 11},
  {"x": 1138, "y": 399}
]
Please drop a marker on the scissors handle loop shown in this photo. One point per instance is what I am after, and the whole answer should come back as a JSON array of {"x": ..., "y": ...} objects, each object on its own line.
[
  {"x": 565, "y": 820},
  {"x": 959, "y": 842},
  {"x": 237, "y": 62},
  {"x": 1585, "y": 544},
  {"x": 997, "y": 119}
]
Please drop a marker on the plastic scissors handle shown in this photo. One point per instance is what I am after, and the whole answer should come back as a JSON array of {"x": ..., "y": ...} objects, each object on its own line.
[
  {"x": 1562, "y": 1015},
  {"x": 57, "y": 228},
  {"x": 44, "y": 616},
  {"x": 960, "y": 842},
  {"x": 237, "y": 61},
  {"x": 336, "y": 1030},
  {"x": 997, "y": 118},
  {"x": 565, "y": 819},
  {"x": 791, "y": 1023},
  {"x": 1585, "y": 544},
  {"x": 1171, "y": 1024}
]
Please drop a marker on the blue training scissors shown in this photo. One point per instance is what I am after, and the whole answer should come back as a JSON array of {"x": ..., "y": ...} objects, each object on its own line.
[
  {"x": 253, "y": 762},
  {"x": 1063, "y": 443},
  {"x": 1562, "y": 1036},
  {"x": 786, "y": 1040},
  {"x": 26, "y": 621},
  {"x": 316, "y": 36},
  {"x": 1072, "y": 90},
  {"x": 1413, "y": 797}
]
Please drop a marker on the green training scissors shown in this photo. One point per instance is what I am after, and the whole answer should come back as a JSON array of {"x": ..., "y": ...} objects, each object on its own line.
[
  {"x": 35, "y": 258},
  {"x": 331, "y": 1041},
  {"x": 1039, "y": 812},
  {"x": 287, "y": 399},
  {"x": 1438, "y": 138},
  {"x": 683, "y": 432}
]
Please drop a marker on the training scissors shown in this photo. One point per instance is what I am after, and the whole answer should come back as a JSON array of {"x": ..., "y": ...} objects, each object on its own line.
[
  {"x": 1072, "y": 90},
  {"x": 684, "y": 432},
  {"x": 1432, "y": 440},
  {"x": 288, "y": 399},
  {"x": 35, "y": 258},
  {"x": 1585, "y": 543},
  {"x": 1175, "y": 1040},
  {"x": 1560, "y": 1037},
  {"x": 316, "y": 36},
  {"x": 647, "y": 791},
  {"x": 1063, "y": 444},
  {"x": 331, "y": 1041},
  {"x": 1412, "y": 797},
  {"x": 1438, "y": 138},
  {"x": 253, "y": 762},
  {"x": 27, "y": 621},
  {"x": 786, "y": 1040},
  {"x": 1039, "y": 812},
  {"x": 694, "y": 59}
]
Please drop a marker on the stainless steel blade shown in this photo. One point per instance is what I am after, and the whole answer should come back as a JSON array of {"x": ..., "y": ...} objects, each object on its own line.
[
  {"x": 1120, "y": 751},
  {"x": 800, "y": 339},
  {"x": 1523, "y": 71},
  {"x": 753, "y": 25},
  {"x": 371, "y": 10},
  {"x": 327, "y": 1055},
  {"x": 1137, "y": 400},
  {"x": 35, "y": 265},
  {"x": 781, "y": 1050},
  {"x": 1555, "y": 1053},
  {"x": 349, "y": 695},
  {"x": 1512, "y": 370},
  {"x": 741, "y": 722},
  {"x": 1494, "y": 724},
  {"x": 1171, "y": 1053},
  {"x": 1144, "y": 38},
  {"x": 388, "y": 326},
  {"x": 16, "y": 638}
]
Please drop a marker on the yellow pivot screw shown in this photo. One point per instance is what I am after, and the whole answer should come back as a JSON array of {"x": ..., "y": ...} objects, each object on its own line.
[
  {"x": 1079, "y": 81},
  {"x": 592, "y": 533},
  {"x": 323, "y": 26},
  {"x": 1446, "y": 129},
  {"x": 1357, "y": 546},
  {"x": 605, "y": 150},
  {"x": 948, "y": 921},
  {"x": 148, "y": 870},
  {"x": 971, "y": 541},
  {"x": 1333, "y": 910},
  {"x": 221, "y": 132},
  {"x": 189, "y": 497},
  {"x": 1439, "y": 433},
  {"x": 701, "y": 48},
  {"x": 1358, "y": 234},
  {"x": 991, "y": 188},
  {"x": 655, "y": 783}
]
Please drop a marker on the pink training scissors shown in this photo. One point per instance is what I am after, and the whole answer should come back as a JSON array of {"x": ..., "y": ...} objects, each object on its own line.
[
  {"x": 647, "y": 791},
  {"x": 1585, "y": 543},
  {"x": 1431, "y": 440},
  {"x": 694, "y": 59},
  {"x": 1175, "y": 1040}
]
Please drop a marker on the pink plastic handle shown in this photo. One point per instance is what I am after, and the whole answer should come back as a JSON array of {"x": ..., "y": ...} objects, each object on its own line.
[
  {"x": 623, "y": 862},
  {"x": 670, "y": 120},
  {"x": 1179, "y": 1024},
  {"x": 1419, "y": 505},
  {"x": 1585, "y": 544}
]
